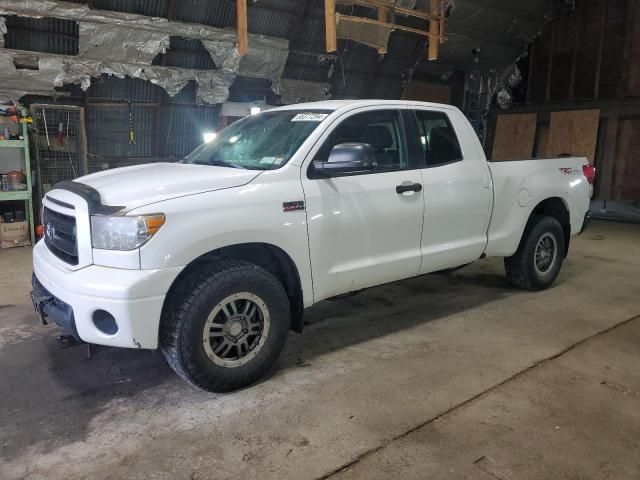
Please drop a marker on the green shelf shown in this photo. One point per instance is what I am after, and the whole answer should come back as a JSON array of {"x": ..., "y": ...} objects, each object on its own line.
[
  {"x": 21, "y": 195},
  {"x": 15, "y": 195},
  {"x": 12, "y": 144}
]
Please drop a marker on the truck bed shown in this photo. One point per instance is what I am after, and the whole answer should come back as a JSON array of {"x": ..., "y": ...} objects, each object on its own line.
[{"x": 520, "y": 185}]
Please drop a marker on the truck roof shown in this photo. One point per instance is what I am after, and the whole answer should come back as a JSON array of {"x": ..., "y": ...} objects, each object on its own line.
[{"x": 339, "y": 104}]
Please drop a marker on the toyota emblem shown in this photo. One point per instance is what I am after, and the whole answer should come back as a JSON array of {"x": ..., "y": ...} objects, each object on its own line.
[{"x": 51, "y": 231}]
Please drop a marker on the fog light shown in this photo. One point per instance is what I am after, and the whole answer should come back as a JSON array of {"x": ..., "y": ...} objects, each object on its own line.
[{"x": 105, "y": 322}]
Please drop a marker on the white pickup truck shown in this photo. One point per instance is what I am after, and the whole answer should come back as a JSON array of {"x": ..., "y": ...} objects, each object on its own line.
[{"x": 214, "y": 258}]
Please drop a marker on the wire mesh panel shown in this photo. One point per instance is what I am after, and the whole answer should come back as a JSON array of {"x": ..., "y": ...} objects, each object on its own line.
[{"x": 59, "y": 142}]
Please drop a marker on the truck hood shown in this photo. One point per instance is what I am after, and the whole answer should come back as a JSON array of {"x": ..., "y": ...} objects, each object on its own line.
[{"x": 133, "y": 187}]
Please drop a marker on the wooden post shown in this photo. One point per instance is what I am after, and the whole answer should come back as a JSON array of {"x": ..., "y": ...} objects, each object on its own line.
[
  {"x": 383, "y": 17},
  {"x": 330, "y": 25},
  {"x": 442, "y": 12},
  {"x": 532, "y": 56},
  {"x": 552, "y": 52},
  {"x": 243, "y": 35},
  {"x": 434, "y": 28},
  {"x": 603, "y": 27},
  {"x": 574, "y": 56}
]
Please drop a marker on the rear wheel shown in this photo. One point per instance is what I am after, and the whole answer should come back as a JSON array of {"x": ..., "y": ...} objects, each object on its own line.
[
  {"x": 538, "y": 260},
  {"x": 224, "y": 325}
]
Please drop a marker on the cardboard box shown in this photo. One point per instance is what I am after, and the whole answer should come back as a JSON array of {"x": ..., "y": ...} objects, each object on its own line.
[{"x": 15, "y": 234}]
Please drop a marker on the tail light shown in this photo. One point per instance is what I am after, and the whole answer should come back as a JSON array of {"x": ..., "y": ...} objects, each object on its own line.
[{"x": 589, "y": 172}]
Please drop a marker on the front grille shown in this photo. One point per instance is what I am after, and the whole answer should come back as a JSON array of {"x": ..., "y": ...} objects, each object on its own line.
[{"x": 60, "y": 235}]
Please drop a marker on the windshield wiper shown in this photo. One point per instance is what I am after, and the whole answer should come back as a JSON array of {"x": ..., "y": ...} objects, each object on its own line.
[{"x": 221, "y": 163}]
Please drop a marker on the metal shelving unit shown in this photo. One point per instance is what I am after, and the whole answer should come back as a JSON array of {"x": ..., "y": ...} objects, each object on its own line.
[{"x": 24, "y": 195}]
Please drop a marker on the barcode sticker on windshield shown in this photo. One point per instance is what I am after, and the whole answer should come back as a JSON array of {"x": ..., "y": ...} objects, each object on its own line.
[
  {"x": 272, "y": 160},
  {"x": 309, "y": 117}
]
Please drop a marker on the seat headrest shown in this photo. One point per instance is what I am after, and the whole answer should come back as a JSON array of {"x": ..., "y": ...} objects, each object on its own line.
[
  {"x": 443, "y": 145},
  {"x": 378, "y": 136}
]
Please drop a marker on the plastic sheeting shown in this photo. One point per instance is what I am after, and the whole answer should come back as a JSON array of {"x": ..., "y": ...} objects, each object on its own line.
[
  {"x": 266, "y": 57},
  {"x": 125, "y": 44},
  {"x": 55, "y": 71},
  {"x": 299, "y": 91},
  {"x": 482, "y": 87},
  {"x": 14, "y": 82},
  {"x": 3, "y": 30},
  {"x": 108, "y": 42},
  {"x": 213, "y": 87}
]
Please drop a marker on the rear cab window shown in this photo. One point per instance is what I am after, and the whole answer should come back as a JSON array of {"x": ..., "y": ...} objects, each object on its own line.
[{"x": 437, "y": 138}]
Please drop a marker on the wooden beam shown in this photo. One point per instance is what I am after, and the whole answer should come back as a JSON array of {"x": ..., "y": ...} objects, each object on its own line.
[
  {"x": 243, "y": 30},
  {"x": 383, "y": 17},
  {"x": 434, "y": 29},
  {"x": 393, "y": 7},
  {"x": 392, "y": 26},
  {"x": 330, "y": 25}
]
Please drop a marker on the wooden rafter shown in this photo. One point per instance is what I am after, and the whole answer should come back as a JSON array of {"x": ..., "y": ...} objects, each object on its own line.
[
  {"x": 393, "y": 26},
  {"x": 392, "y": 6},
  {"x": 435, "y": 16},
  {"x": 434, "y": 30},
  {"x": 330, "y": 25},
  {"x": 383, "y": 17},
  {"x": 243, "y": 30}
]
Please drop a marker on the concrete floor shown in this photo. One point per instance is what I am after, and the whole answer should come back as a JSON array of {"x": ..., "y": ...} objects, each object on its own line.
[{"x": 445, "y": 376}]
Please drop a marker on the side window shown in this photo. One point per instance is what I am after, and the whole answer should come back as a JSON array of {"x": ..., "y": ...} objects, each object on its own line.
[
  {"x": 381, "y": 129},
  {"x": 437, "y": 138}
]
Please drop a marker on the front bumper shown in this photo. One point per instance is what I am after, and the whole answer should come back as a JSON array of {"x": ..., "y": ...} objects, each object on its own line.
[
  {"x": 71, "y": 297},
  {"x": 50, "y": 308}
]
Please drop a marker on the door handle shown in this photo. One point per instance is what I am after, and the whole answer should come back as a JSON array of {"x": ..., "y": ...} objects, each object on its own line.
[{"x": 416, "y": 187}]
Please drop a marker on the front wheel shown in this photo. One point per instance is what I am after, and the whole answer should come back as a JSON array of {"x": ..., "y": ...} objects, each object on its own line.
[
  {"x": 224, "y": 325},
  {"x": 538, "y": 260}
]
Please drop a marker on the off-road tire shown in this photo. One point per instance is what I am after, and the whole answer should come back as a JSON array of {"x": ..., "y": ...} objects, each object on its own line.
[
  {"x": 520, "y": 268},
  {"x": 185, "y": 315}
]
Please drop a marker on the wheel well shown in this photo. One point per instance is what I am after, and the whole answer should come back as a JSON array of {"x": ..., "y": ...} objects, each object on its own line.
[
  {"x": 556, "y": 208},
  {"x": 269, "y": 257}
]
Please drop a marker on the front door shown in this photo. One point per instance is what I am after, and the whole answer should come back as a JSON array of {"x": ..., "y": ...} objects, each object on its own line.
[{"x": 363, "y": 230}]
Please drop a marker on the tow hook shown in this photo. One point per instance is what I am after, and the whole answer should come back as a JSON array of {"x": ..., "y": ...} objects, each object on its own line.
[{"x": 68, "y": 341}]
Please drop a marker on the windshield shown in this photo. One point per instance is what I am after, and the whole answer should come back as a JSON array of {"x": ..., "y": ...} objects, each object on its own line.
[{"x": 259, "y": 142}]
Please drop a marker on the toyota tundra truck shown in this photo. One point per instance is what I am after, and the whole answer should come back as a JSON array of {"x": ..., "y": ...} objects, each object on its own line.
[{"x": 214, "y": 258}]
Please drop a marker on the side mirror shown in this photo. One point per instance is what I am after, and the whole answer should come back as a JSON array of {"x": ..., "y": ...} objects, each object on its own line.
[{"x": 346, "y": 158}]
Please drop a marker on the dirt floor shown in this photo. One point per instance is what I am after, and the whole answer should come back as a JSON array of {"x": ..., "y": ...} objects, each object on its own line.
[{"x": 444, "y": 376}]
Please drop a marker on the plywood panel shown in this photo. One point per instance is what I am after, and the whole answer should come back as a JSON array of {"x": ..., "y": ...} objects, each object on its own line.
[
  {"x": 574, "y": 133},
  {"x": 514, "y": 137},
  {"x": 627, "y": 166},
  {"x": 428, "y": 92}
]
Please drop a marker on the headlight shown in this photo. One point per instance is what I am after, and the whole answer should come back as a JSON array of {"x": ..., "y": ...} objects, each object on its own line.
[{"x": 122, "y": 232}]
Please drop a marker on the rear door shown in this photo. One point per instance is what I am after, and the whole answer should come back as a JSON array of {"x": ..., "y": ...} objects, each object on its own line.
[
  {"x": 457, "y": 190},
  {"x": 362, "y": 230}
]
